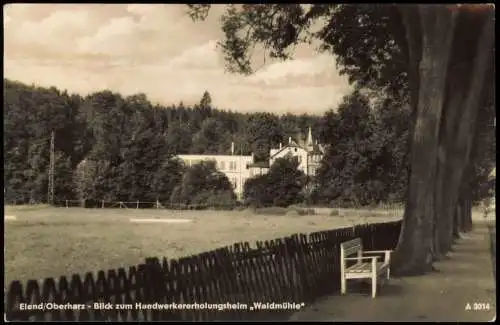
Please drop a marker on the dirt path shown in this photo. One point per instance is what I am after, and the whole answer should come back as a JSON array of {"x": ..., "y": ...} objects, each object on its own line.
[{"x": 465, "y": 277}]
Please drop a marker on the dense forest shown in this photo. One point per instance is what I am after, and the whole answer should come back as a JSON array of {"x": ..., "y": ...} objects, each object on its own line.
[{"x": 115, "y": 148}]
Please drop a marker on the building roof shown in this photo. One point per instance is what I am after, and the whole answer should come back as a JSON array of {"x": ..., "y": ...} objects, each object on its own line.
[
  {"x": 316, "y": 150},
  {"x": 201, "y": 156},
  {"x": 292, "y": 145}
]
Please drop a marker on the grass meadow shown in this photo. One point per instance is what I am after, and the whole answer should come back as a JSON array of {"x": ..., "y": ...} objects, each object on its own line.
[{"x": 42, "y": 241}]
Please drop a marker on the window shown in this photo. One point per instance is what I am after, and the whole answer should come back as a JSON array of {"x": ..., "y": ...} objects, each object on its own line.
[
  {"x": 232, "y": 165},
  {"x": 222, "y": 165},
  {"x": 233, "y": 181}
]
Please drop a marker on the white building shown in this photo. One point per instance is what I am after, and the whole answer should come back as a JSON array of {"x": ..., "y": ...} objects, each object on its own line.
[
  {"x": 240, "y": 168},
  {"x": 308, "y": 153}
]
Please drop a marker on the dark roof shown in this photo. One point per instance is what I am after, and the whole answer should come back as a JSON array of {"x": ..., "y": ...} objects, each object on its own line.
[
  {"x": 316, "y": 150},
  {"x": 293, "y": 145}
]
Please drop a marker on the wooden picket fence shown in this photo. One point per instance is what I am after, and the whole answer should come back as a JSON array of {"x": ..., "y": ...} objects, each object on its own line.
[{"x": 225, "y": 283}]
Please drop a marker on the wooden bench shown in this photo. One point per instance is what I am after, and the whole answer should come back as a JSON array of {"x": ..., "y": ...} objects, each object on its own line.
[{"x": 362, "y": 270}]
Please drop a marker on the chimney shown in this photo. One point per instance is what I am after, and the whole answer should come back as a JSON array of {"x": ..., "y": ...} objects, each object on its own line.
[{"x": 232, "y": 148}]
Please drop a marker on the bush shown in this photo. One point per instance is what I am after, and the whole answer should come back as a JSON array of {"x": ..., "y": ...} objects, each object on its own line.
[
  {"x": 300, "y": 211},
  {"x": 281, "y": 186},
  {"x": 293, "y": 213},
  {"x": 221, "y": 199},
  {"x": 214, "y": 199},
  {"x": 271, "y": 211},
  {"x": 202, "y": 186},
  {"x": 334, "y": 213},
  {"x": 297, "y": 206}
]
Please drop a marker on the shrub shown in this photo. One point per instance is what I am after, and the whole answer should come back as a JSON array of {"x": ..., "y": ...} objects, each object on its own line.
[
  {"x": 203, "y": 186},
  {"x": 281, "y": 186},
  {"x": 271, "y": 211},
  {"x": 294, "y": 213},
  {"x": 300, "y": 211},
  {"x": 221, "y": 200},
  {"x": 297, "y": 206},
  {"x": 334, "y": 213}
]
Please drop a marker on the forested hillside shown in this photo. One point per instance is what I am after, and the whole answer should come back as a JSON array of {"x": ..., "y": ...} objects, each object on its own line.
[{"x": 116, "y": 148}]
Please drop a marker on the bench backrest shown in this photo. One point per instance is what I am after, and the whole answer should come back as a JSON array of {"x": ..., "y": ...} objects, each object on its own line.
[{"x": 351, "y": 247}]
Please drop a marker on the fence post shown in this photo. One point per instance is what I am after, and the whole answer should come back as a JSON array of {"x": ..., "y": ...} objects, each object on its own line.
[
  {"x": 137, "y": 207},
  {"x": 157, "y": 204},
  {"x": 66, "y": 204}
]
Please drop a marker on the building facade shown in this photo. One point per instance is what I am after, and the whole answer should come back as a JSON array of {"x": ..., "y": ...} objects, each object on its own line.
[{"x": 239, "y": 168}]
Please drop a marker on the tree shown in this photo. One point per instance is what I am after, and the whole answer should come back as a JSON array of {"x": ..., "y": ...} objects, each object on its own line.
[
  {"x": 364, "y": 161},
  {"x": 166, "y": 178},
  {"x": 263, "y": 132},
  {"x": 203, "y": 184},
  {"x": 405, "y": 49},
  {"x": 106, "y": 115},
  {"x": 282, "y": 186},
  {"x": 63, "y": 178},
  {"x": 211, "y": 139},
  {"x": 206, "y": 101},
  {"x": 178, "y": 139},
  {"x": 129, "y": 139}
]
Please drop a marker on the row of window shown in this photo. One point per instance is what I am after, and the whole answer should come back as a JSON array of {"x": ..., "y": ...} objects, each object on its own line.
[
  {"x": 314, "y": 158},
  {"x": 221, "y": 165},
  {"x": 232, "y": 166}
]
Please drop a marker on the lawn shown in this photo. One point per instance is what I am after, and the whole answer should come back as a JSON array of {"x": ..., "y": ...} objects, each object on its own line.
[{"x": 44, "y": 242}]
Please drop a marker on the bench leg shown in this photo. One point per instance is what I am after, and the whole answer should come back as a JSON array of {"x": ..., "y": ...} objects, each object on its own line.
[
  {"x": 343, "y": 286},
  {"x": 374, "y": 285}
]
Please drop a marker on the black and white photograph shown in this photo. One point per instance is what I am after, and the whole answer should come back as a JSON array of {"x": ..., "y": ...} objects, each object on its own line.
[{"x": 249, "y": 162}]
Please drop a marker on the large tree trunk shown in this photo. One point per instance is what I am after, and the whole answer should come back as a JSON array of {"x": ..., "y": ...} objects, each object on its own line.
[
  {"x": 468, "y": 71},
  {"x": 456, "y": 222},
  {"x": 464, "y": 204},
  {"x": 467, "y": 215},
  {"x": 414, "y": 251}
]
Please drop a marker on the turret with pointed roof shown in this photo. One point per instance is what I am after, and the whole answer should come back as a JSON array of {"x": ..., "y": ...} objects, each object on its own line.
[{"x": 309, "y": 138}]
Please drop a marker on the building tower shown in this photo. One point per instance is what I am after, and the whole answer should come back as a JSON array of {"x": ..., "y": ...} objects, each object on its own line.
[{"x": 309, "y": 141}]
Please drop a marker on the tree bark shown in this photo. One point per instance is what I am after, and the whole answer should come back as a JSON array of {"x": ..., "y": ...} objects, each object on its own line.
[
  {"x": 414, "y": 251},
  {"x": 464, "y": 204},
  {"x": 467, "y": 215},
  {"x": 456, "y": 222},
  {"x": 463, "y": 216},
  {"x": 466, "y": 87}
]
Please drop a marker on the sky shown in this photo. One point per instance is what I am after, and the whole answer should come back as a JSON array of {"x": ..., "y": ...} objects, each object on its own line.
[{"x": 159, "y": 51}]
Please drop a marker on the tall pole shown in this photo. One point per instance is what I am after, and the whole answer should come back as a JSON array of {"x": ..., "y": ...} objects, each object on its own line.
[
  {"x": 50, "y": 195},
  {"x": 241, "y": 171}
]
